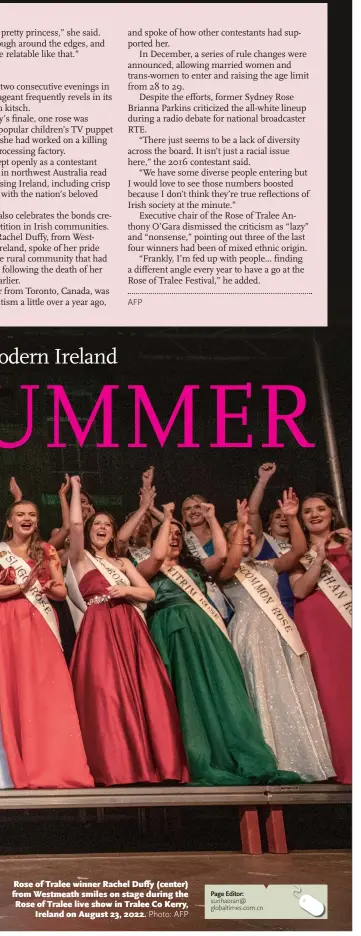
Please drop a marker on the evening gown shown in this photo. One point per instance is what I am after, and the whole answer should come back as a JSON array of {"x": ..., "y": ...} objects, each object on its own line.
[
  {"x": 126, "y": 705},
  {"x": 280, "y": 684},
  {"x": 221, "y": 730},
  {"x": 39, "y": 724},
  {"x": 327, "y": 637}
]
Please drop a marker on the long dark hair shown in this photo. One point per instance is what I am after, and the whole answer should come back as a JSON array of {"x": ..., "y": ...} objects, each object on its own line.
[
  {"x": 270, "y": 517},
  {"x": 337, "y": 521},
  {"x": 112, "y": 547},
  {"x": 36, "y": 548},
  {"x": 186, "y": 559}
]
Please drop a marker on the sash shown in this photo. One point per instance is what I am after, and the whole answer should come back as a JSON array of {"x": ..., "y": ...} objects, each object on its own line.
[
  {"x": 184, "y": 581},
  {"x": 115, "y": 577},
  {"x": 213, "y": 591},
  {"x": 279, "y": 546},
  {"x": 139, "y": 554},
  {"x": 35, "y": 594},
  {"x": 333, "y": 585},
  {"x": 75, "y": 600},
  {"x": 194, "y": 545},
  {"x": 264, "y": 595}
]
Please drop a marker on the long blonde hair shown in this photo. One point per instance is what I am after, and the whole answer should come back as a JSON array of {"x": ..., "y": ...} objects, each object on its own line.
[{"x": 36, "y": 548}]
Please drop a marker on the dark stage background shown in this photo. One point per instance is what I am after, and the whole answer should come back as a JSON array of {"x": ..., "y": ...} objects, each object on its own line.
[{"x": 163, "y": 360}]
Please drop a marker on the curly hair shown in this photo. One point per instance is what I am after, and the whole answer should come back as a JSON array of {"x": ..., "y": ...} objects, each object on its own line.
[
  {"x": 112, "y": 547},
  {"x": 36, "y": 546}
]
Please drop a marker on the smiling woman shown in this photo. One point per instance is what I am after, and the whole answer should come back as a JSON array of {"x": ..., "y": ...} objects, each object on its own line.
[
  {"x": 125, "y": 702},
  {"x": 39, "y": 724},
  {"x": 221, "y": 729},
  {"x": 321, "y": 586}
]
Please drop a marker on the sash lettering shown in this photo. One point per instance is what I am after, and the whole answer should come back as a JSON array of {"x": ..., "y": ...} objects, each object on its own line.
[
  {"x": 280, "y": 547},
  {"x": 333, "y": 585},
  {"x": 139, "y": 555},
  {"x": 186, "y": 583},
  {"x": 264, "y": 595},
  {"x": 214, "y": 592},
  {"x": 35, "y": 593}
]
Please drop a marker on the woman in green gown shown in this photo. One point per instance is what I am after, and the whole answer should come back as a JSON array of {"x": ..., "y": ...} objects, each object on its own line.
[{"x": 221, "y": 730}]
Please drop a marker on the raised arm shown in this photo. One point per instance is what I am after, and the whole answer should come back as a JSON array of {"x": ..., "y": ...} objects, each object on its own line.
[
  {"x": 76, "y": 551},
  {"x": 58, "y": 539},
  {"x": 265, "y": 472},
  {"x": 213, "y": 563},
  {"x": 55, "y": 588},
  {"x": 235, "y": 552},
  {"x": 147, "y": 484},
  {"x": 149, "y": 567},
  {"x": 157, "y": 515},
  {"x": 126, "y": 531},
  {"x": 304, "y": 582},
  {"x": 289, "y": 506},
  {"x": 15, "y": 490}
]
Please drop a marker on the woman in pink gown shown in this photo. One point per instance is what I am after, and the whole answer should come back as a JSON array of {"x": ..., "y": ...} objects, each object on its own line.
[
  {"x": 39, "y": 724},
  {"x": 324, "y": 631},
  {"x": 125, "y": 701}
]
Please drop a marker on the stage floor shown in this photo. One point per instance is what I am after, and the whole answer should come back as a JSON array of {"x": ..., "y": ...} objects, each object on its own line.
[{"x": 309, "y": 867}]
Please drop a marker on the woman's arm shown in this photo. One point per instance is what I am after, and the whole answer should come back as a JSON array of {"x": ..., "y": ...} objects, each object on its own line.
[
  {"x": 213, "y": 563},
  {"x": 303, "y": 583},
  {"x": 157, "y": 515},
  {"x": 290, "y": 506},
  {"x": 13, "y": 590},
  {"x": 150, "y": 566},
  {"x": 147, "y": 484},
  {"x": 235, "y": 552},
  {"x": 55, "y": 588},
  {"x": 10, "y": 591},
  {"x": 58, "y": 539},
  {"x": 138, "y": 589},
  {"x": 15, "y": 490},
  {"x": 265, "y": 472},
  {"x": 126, "y": 531},
  {"x": 76, "y": 550}
]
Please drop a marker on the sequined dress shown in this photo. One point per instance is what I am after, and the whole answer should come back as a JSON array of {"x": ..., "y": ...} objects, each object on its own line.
[{"x": 280, "y": 684}]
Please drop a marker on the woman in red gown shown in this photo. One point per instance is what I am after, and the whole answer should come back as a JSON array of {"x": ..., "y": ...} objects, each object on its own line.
[
  {"x": 39, "y": 724},
  {"x": 324, "y": 631},
  {"x": 125, "y": 701}
]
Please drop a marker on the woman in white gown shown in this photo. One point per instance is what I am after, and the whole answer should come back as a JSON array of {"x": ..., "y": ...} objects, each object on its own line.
[{"x": 274, "y": 662}]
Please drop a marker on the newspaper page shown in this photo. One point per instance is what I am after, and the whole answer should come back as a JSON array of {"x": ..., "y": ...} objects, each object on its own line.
[{"x": 175, "y": 555}]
